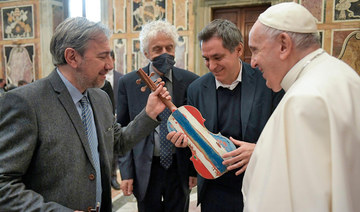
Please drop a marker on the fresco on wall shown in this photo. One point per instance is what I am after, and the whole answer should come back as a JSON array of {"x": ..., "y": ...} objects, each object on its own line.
[
  {"x": 17, "y": 22},
  {"x": 316, "y": 7},
  {"x": 144, "y": 11},
  {"x": 346, "y": 10},
  {"x": 350, "y": 52},
  {"x": 19, "y": 63}
]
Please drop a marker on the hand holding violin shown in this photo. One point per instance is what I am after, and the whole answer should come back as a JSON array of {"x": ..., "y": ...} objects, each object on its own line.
[
  {"x": 154, "y": 104},
  {"x": 240, "y": 157},
  {"x": 207, "y": 148},
  {"x": 179, "y": 139}
]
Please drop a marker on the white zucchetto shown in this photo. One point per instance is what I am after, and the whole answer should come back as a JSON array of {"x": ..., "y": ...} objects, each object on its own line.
[{"x": 289, "y": 16}]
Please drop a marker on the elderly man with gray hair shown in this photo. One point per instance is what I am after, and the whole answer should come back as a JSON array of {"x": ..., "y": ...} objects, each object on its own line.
[
  {"x": 160, "y": 175},
  {"x": 306, "y": 158}
]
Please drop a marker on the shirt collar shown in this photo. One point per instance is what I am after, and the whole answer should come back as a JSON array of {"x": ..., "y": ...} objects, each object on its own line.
[
  {"x": 233, "y": 85},
  {"x": 110, "y": 77},
  {"x": 111, "y": 72},
  {"x": 297, "y": 69},
  {"x": 75, "y": 94}
]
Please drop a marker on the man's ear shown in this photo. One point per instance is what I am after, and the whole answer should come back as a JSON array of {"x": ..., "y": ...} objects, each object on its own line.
[
  {"x": 286, "y": 45},
  {"x": 71, "y": 57},
  {"x": 239, "y": 49}
]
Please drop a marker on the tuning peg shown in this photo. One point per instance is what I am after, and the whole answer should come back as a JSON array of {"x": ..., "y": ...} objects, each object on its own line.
[
  {"x": 138, "y": 81},
  {"x": 143, "y": 89},
  {"x": 158, "y": 80},
  {"x": 152, "y": 74}
]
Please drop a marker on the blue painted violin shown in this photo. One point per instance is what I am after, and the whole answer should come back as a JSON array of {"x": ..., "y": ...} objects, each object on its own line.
[{"x": 207, "y": 148}]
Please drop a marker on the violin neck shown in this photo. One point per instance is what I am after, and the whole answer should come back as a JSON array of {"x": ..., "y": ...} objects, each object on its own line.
[{"x": 152, "y": 86}]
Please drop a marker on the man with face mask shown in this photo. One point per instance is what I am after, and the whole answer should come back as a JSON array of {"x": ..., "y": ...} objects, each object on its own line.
[{"x": 160, "y": 179}]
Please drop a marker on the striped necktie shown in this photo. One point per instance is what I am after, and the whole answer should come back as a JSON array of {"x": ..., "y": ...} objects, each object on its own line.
[{"x": 87, "y": 120}]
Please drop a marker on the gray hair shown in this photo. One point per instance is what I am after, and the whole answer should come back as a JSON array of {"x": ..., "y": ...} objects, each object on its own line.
[
  {"x": 301, "y": 40},
  {"x": 224, "y": 29},
  {"x": 152, "y": 29},
  {"x": 74, "y": 33}
]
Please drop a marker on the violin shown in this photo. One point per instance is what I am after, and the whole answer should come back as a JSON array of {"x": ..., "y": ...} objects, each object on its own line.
[{"x": 207, "y": 148}]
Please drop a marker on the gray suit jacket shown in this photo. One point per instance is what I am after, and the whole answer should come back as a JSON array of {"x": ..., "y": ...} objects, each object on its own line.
[
  {"x": 45, "y": 157},
  {"x": 117, "y": 75}
]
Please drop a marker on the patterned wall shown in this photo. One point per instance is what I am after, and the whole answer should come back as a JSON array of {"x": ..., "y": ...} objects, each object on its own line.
[
  {"x": 128, "y": 16},
  {"x": 339, "y": 23},
  {"x": 23, "y": 50},
  {"x": 18, "y": 41}
]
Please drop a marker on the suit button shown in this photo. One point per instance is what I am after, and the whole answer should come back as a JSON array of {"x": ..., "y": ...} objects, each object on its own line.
[{"x": 92, "y": 177}]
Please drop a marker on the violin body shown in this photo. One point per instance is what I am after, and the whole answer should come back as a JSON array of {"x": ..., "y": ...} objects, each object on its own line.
[{"x": 207, "y": 148}]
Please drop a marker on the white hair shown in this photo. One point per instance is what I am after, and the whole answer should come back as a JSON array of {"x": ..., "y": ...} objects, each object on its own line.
[
  {"x": 152, "y": 29},
  {"x": 301, "y": 40}
]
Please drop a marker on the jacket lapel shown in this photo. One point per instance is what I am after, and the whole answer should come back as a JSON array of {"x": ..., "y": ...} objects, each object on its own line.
[
  {"x": 146, "y": 93},
  {"x": 247, "y": 93},
  {"x": 210, "y": 107},
  {"x": 179, "y": 88},
  {"x": 70, "y": 108}
]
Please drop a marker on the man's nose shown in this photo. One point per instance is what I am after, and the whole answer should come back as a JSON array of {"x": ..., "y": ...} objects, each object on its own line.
[
  {"x": 212, "y": 65},
  {"x": 109, "y": 65},
  {"x": 253, "y": 62}
]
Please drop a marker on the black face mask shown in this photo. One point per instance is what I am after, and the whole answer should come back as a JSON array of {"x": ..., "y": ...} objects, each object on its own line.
[{"x": 163, "y": 63}]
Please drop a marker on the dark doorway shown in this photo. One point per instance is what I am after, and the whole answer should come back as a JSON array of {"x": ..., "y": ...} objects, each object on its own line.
[{"x": 243, "y": 18}]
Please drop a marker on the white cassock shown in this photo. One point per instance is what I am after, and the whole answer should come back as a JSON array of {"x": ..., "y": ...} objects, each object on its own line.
[{"x": 308, "y": 155}]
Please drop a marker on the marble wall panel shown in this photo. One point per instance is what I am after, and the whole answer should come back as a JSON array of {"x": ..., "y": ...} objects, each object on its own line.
[
  {"x": 119, "y": 16},
  {"x": 120, "y": 55},
  {"x": 346, "y": 10},
  {"x": 338, "y": 38},
  {"x": 18, "y": 22},
  {"x": 350, "y": 51},
  {"x": 138, "y": 58},
  {"x": 181, "y": 52},
  {"x": 181, "y": 14},
  {"x": 316, "y": 7},
  {"x": 19, "y": 62},
  {"x": 146, "y": 11}
]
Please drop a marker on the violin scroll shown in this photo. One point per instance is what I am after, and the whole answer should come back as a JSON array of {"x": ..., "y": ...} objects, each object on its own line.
[
  {"x": 153, "y": 85},
  {"x": 156, "y": 82}
]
